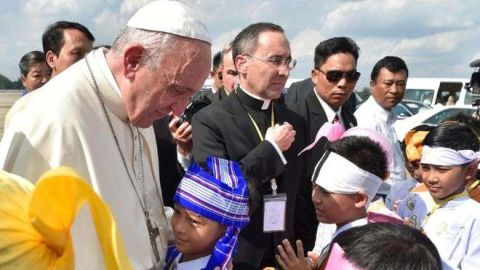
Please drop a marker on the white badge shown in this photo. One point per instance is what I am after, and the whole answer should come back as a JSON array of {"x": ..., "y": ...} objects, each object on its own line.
[{"x": 274, "y": 214}]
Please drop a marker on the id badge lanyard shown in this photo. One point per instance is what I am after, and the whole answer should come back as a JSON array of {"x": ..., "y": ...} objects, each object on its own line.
[{"x": 275, "y": 205}]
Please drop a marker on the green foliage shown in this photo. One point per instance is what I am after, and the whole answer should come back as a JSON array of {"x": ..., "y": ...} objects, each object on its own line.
[{"x": 5, "y": 83}]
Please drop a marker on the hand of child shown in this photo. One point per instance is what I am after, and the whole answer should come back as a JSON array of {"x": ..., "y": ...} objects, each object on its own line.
[
  {"x": 313, "y": 256},
  {"x": 288, "y": 260}
]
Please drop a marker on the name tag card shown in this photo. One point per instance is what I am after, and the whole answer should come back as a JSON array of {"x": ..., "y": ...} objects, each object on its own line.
[{"x": 274, "y": 214}]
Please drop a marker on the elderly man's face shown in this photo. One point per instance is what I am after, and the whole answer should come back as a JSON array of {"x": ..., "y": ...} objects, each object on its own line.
[
  {"x": 180, "y": 74},
  {"x": 76, "y": 45},
  {"x": 389, "y": 88},
  {"x": 265, "y": 72}
]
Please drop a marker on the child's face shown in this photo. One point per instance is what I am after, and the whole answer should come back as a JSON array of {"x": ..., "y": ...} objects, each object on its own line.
[
  {"x": 444, "y": 181},
  {"x": 195, "y": 236},
  {"x": 333, "y": 207}
]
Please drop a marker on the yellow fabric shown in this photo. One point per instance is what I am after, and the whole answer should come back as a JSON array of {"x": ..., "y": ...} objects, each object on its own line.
[
  {"x": 35, "y": 222},
  {"x": 413, "y": 141}
]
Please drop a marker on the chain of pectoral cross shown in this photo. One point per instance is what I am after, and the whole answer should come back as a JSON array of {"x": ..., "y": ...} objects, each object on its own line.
[{"x": 153, "y": 233}]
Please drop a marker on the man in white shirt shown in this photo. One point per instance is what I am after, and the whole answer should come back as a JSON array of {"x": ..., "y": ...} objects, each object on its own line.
[
  {"x": 96, "y": 117},
  {"x": 388, "y": 82}
]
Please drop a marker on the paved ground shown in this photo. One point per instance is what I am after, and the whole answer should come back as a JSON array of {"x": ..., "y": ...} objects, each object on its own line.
[{"x": 7, "y": 98}]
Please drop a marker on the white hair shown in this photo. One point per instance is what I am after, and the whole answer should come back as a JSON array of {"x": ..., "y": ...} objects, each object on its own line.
[{"x": 156, "y": 44}]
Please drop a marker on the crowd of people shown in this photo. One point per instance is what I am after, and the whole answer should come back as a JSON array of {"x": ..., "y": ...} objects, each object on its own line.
[{"x": 100, "y": 170}]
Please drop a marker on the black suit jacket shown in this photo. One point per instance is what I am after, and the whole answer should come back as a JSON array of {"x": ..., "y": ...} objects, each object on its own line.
[
  {"x": 298, "y": 91},
  {"x": 314, "y": 115},
  {"x": 171, "y": 172},
  {"x": 224, "y": 130}
]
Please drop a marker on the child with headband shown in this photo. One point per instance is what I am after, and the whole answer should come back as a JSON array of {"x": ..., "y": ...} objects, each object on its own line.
[
  {"x": 448, "y": 216},
  {"x": 209, "y": 212},
  {"x": 345, "y": 181}
]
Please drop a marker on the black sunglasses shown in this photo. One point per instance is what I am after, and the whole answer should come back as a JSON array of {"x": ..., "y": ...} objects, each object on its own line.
[{"x": 336, "y": 75}]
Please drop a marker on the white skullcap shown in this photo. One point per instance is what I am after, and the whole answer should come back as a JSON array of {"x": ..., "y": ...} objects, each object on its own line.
[
  {"x": 170, "y": 17},
  {"x": 337, "y": 174}
]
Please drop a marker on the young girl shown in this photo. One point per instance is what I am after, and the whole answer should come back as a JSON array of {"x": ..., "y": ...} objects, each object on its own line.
[{"x": 446, "y": 213}]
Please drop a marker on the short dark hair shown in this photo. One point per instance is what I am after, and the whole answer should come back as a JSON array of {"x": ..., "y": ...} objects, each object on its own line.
[
  {"x": 52, "y": 38},
  {"x": 391, "y": 63},
  {"x": 453, "y": 135},
  {"x": 333, "y": 46},
  {"x": 217, "y": 61},
  {"x": 246, "y": 41},
  {"x": 363, "y": 152},
  {"x": 384, "y": 246},
  {"x": 29, "y": 59}
]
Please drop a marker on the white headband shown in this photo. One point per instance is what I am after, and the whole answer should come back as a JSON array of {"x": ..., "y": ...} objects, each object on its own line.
[
  {"x": 447, "y": 157},
  {"x": 337, "y": 174}
]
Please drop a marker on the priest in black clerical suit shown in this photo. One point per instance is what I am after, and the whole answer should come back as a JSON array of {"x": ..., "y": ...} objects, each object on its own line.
[{"x": 225, "y": 130}]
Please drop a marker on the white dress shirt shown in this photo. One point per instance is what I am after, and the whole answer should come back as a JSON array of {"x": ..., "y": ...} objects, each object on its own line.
[{"x": 371, "y": 115}]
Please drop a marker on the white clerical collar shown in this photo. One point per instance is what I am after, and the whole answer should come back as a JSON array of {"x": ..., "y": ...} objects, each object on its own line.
[
  {"x": 266, "y": 102},
  {"x": 196, "y": 264},
  {"x": 355, "y": 223},
  {"x": 102, "y": 63},
  {"x": 328, "y": 110}
]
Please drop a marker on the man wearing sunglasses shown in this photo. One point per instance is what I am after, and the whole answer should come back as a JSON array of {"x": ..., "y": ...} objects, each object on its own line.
[
  {"x": 250, "y": 127},
  {"x": 334, "y": 77},
  {"x": 388, "y": 83}
]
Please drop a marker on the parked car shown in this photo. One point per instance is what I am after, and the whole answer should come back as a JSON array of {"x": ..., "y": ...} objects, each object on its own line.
[
  {"x": 432, "y": 91},
  {"x": 407, "y": 108},
  {"x": 433, "y": 116}
]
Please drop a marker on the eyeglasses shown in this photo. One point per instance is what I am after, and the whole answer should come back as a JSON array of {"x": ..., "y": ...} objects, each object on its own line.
[
  {"x": 277, "y": 61},
  {"x": 336, "y": 75}
]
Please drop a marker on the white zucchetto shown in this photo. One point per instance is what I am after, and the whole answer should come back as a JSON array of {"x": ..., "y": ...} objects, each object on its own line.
[{"x": 170, "y": 17}]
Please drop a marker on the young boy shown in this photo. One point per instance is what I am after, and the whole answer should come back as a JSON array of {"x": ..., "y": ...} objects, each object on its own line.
[
  {"x": 345, "y": 180},
  {"x": 209, "y": 213},
  {"x": 412, "y": 147},
  {"x": 446, "y": 213}
]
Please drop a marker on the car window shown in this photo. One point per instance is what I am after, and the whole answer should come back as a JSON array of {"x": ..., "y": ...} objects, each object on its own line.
[
  {"x": 401, "y": 111},
  {"x": 424, "y": 96},
  {"x": 448, "y": 113}
]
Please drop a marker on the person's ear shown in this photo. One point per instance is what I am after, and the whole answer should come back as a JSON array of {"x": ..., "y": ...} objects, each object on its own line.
[
  {"x": 132, "y": 59},
  {"x": 471, "y": 172},
  {"x": 241, "y": 64},
  {"x": 361, "y": 200},
  {"x": 23, "y": 79},
  {"x": 50, "y": 58},
  {"x": 314, "y": 76},
  {"x": 372, "y": 84}
]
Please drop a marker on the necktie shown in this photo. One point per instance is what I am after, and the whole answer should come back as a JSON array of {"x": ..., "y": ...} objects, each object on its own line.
[{"x": 336, "y": 119}]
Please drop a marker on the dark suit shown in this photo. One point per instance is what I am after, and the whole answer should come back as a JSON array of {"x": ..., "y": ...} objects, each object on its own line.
[
  {"x": 219, "y": 95},
  {"x": 314, "y": 115},
  {"x": 225, "y": 130},
  {"x": 299, "y": 91},
  {"x": 171, "y": 172}
]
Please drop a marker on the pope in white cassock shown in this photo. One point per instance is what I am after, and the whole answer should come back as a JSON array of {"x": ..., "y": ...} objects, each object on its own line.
[{"x": 96, "y": 117}]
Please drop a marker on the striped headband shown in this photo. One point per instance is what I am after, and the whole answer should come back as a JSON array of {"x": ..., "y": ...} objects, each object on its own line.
[{"x": 222, "y": 197}]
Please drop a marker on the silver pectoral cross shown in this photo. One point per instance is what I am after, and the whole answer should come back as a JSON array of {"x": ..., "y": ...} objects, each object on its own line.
[{"x": 153, "y": 233}]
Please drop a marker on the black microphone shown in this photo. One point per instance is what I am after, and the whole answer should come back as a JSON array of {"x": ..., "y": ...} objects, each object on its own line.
[{"x": 475, "y": 63}]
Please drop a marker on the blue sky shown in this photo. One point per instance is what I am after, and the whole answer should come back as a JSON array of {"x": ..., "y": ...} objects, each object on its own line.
[{"x": 437, "y": 38}]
